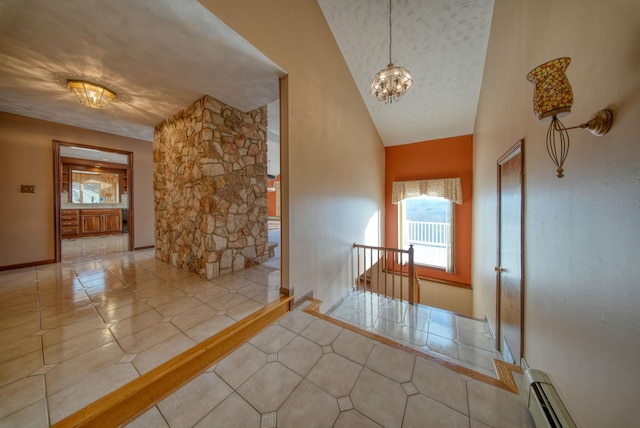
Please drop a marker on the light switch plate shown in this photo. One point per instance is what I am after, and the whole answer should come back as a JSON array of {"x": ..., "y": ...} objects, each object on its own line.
[{"x": 27, "y": 188}]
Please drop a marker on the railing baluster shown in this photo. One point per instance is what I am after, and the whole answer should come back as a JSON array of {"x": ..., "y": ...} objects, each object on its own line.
[
  {"x": 411, "y": 273},
  {"x": 378, "y": 271},
  {"x": 393, "y": 279},
  {"x": 371, "y": 272},
  {"x": 386, "y": 273},
  {"x": 401, "y": 269},
  {"x": 359, "y": 279},
  {"x": 364, "y": 269},
  {"x": 389, "y": 261}
]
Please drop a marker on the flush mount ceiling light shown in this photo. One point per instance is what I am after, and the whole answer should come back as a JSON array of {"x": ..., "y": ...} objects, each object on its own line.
[
  {"x": 553, "y": 98},
  {"x": 392, "y": 82},
  {"x": 91, "y": 94}
]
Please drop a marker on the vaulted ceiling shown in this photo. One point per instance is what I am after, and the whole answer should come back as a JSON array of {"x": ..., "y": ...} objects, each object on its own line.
[
  {"x": 442, "y": 43},
  {"x": 159, "y": 56}
]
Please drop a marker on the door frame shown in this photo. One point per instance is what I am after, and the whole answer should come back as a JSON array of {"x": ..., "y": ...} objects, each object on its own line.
[
  {"x": 516, "y": 149},
  {"x": 57, "y": 190}
]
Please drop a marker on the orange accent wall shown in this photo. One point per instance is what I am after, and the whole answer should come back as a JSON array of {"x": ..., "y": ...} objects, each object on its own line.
[
  {"x": 271, "y": 198},
  {"x": 444, "y": 158}
]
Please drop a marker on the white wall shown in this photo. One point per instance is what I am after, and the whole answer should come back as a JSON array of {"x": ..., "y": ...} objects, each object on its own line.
[
  {"x": 332, "y": 157},
  {"x": 582, "y": 232}
]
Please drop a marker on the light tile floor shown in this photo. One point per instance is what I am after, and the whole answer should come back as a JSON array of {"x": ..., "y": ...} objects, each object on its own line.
[
  {"x": 75, "y": 331},
  {"x": 461, "y": 340},
  {"x": 306, "y": 372}
]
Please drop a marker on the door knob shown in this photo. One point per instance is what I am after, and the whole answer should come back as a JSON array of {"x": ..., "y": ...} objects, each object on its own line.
[{"x": 498, "y": 269}]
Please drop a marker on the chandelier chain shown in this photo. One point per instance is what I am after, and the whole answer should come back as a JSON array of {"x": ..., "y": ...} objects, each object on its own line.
[
  {"x": 392, "y": 82},
  {"x": 390, "y": 33}
]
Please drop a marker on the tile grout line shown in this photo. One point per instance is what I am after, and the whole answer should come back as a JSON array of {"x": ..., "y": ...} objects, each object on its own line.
[
  {"x": 131, "y": 400},
  {"x": 314, "y": 309}
]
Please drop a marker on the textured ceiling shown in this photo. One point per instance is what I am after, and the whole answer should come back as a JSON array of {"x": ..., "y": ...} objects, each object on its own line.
[
  {"x": 160, "y": 56},
  {"x": 442, "y": 43}
]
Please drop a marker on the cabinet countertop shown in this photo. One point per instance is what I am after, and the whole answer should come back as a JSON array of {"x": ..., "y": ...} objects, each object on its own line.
[{"x": 89, "y": 207}]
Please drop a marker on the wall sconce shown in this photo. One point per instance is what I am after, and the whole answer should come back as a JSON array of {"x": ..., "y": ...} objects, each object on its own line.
[{"x": 553, "y": 97}]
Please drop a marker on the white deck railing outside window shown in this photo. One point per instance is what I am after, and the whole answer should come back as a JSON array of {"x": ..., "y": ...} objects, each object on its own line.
[{"x": 428, "y": 233}]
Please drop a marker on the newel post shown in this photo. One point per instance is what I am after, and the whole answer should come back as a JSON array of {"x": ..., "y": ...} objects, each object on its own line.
[{"x": 411, "y": 276}]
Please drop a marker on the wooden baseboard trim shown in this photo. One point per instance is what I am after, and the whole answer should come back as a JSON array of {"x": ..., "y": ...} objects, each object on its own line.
[
  {"x": 505, "y": 374},
  {"x": 313, "y": 308},
  {"x": 146, "y": 247},
  {"x": 25, "y": 265},
  {"x": 131, "y": 400}
]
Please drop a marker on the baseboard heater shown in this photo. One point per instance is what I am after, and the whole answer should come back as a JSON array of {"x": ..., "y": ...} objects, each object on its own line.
[{"x": 545, "y": 406}]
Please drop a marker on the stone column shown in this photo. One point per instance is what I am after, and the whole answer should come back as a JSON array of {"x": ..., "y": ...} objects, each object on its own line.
[{"x": 210, "y": 188}]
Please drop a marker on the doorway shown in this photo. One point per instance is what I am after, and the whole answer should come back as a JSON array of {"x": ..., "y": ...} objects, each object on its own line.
[
  {"x": 274, "y": 185},
  {"x": 509, "y": 263},
  {"x": 93, "y": 188}
]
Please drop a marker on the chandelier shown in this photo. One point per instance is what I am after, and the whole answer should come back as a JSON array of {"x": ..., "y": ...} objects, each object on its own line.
[
  {"x": 91, "y": 94},
  {"x": 392, "y": 82}
]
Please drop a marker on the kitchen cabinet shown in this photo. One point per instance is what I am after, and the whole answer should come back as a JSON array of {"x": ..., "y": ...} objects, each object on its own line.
[
  {"x": 69, "y": 220},
  {"x": 100, "y": 222}
]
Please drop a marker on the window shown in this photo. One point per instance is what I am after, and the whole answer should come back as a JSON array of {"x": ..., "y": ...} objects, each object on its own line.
[
  {"x": 426, "y": 222},
  {"x": 89, "y": 187},
  {"x": 425, "y": 219}
]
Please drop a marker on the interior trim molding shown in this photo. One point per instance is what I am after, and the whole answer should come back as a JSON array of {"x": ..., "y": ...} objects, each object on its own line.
[
  {"x": 505, "y": 374},
  {"x": 131, "y": 400},
  {"x": 146, "y": 247},
  {"x": 29, "y": 264},
  {"x": 313, "y": 308}
]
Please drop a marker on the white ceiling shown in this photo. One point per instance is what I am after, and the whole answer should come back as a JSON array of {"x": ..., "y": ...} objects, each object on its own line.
[
  {"x": 159, "y": 56},
  {"x": 442, "y": 43}
]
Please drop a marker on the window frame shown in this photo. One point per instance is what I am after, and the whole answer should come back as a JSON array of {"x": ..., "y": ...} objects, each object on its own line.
[{"x": 449, "y": 265}]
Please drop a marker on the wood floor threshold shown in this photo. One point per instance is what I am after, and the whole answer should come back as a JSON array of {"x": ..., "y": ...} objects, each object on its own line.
[
  {"x": 505, "y": 380},
  {"x": 131, "y": 400}
]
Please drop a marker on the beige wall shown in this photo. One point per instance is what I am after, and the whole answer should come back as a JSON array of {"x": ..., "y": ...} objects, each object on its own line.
[
  {"x": 449, "y": 297},
  {"x": 582, "y": 234},
  {"x": 332, "y": 157},
  {"x": 26, "y": 157}
]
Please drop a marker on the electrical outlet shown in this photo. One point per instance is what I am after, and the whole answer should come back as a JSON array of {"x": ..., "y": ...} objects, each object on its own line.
[{"x": 27, "y": 188}]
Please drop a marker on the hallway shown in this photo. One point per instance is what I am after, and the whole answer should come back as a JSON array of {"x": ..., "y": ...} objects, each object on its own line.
[{"x": 72, "y": 332}]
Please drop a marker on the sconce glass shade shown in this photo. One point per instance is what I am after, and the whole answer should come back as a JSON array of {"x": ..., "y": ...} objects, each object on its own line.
[
  {"x": 91, "y": 94},
  {"x": 552, "y": 94}
]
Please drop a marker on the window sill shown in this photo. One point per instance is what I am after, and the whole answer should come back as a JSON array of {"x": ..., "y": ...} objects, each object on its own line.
[{"x": 446, "y": 282}]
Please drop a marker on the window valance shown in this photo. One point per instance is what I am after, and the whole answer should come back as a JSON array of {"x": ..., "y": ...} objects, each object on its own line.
[{"x": 448, "y": 188}]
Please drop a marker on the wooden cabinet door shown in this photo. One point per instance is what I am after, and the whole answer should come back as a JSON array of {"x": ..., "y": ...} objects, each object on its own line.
[
  {"x": 112, "y": 221},
  {"x": 90, "y": 223}
]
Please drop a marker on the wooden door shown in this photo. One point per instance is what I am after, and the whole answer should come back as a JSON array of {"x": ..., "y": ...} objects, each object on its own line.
[{"x": 509, "y": 267}]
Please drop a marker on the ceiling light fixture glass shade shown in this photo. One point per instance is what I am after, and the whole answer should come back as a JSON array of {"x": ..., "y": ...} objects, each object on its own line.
[
  {"x": 91, "y": 94},
  {"x": 392, "y": 82}
]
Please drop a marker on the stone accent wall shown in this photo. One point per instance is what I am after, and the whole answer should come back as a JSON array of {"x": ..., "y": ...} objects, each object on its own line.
[{"x": 210, "y": 188}]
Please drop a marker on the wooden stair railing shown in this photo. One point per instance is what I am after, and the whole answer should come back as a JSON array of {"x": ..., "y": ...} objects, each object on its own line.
[{"x": 383, "y": 270}]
